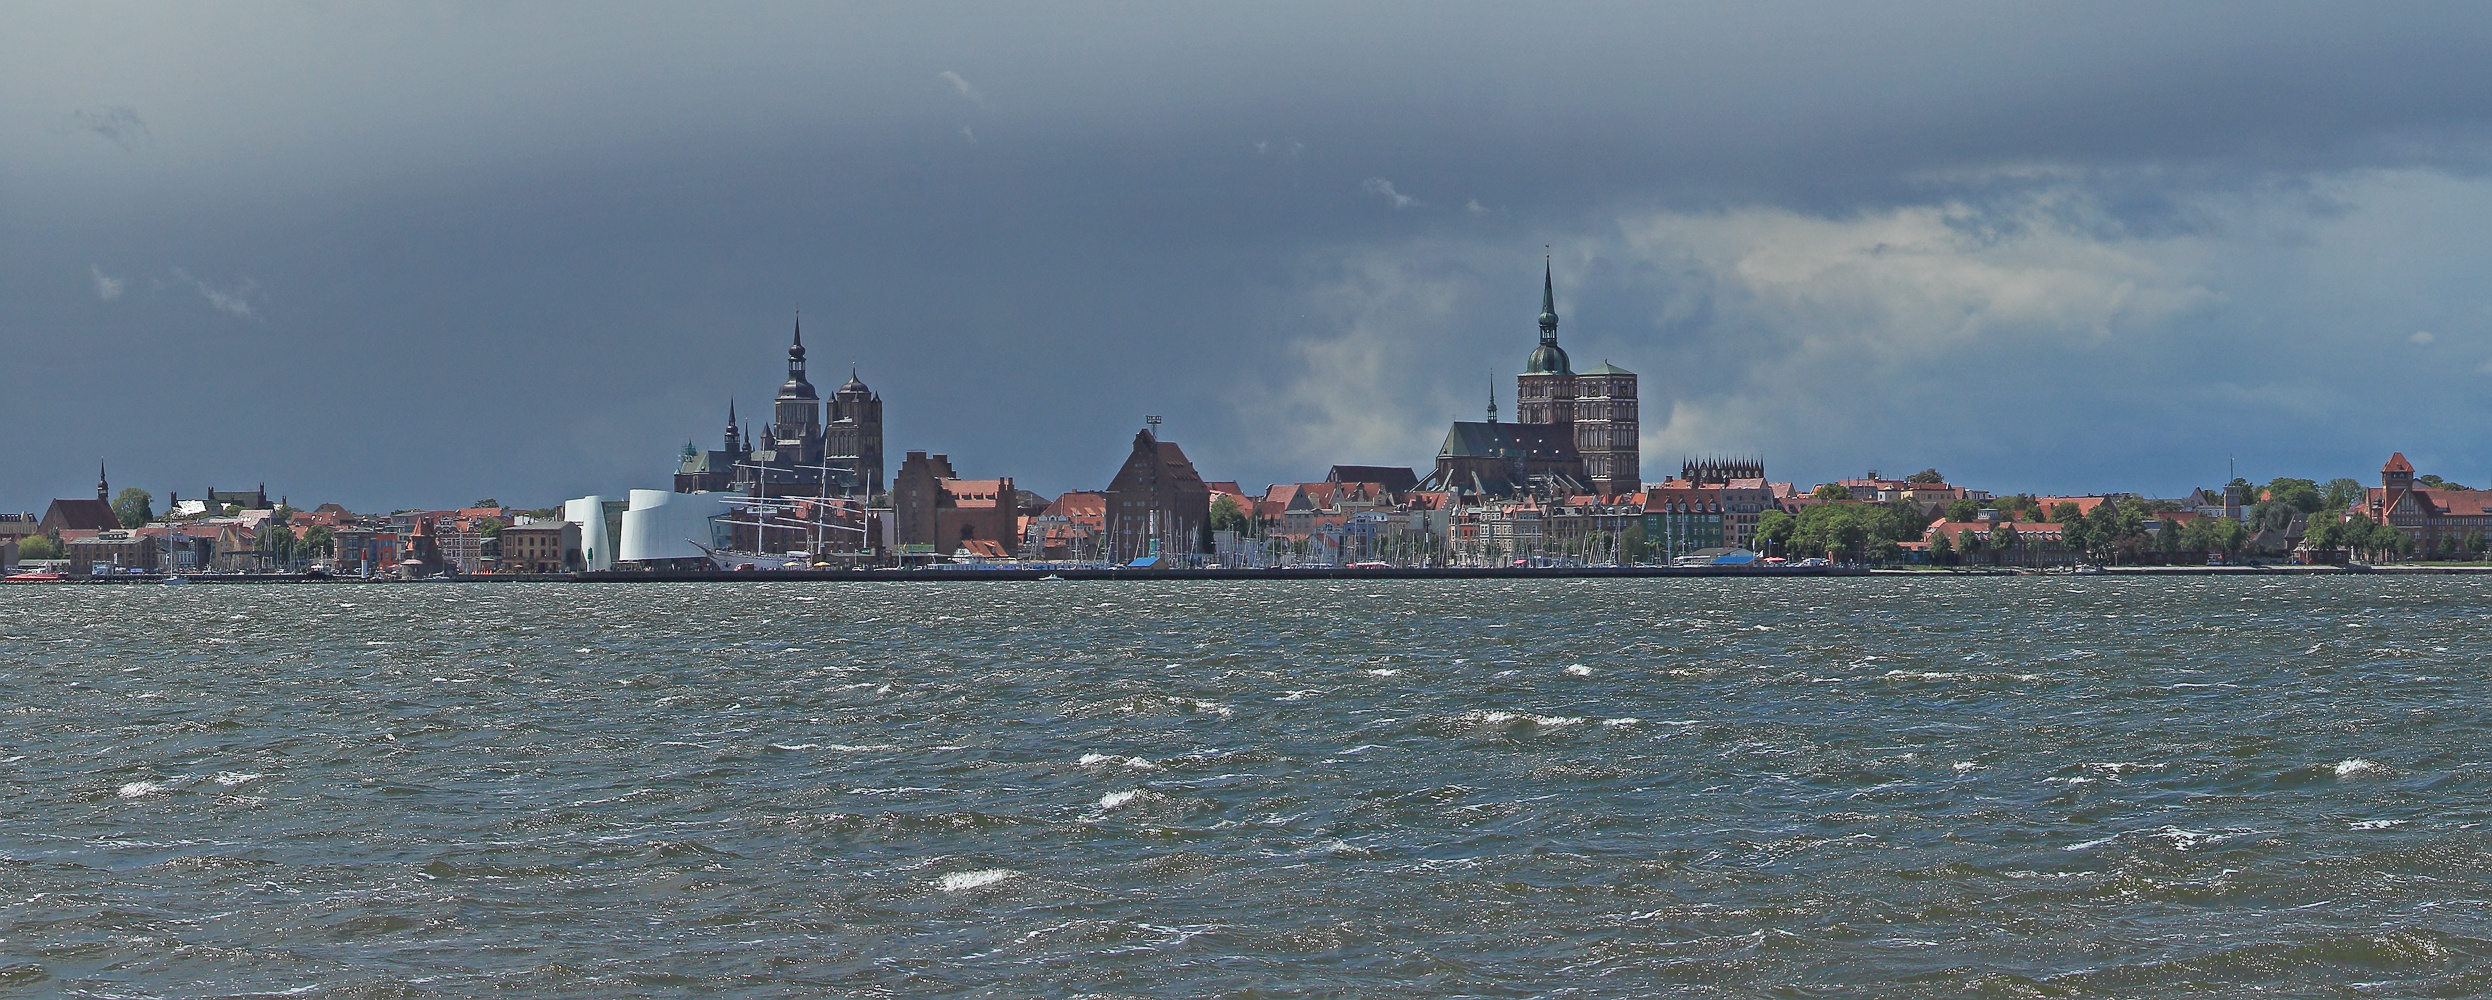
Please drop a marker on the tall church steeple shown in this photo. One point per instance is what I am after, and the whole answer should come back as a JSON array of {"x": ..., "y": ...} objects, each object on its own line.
[
  {"x": 796, "y": 351},
  {"x": 1548, "y": 358},
  {"x": 796, "y": 423},
  {"x": 1492, "y": 399},
  {"x": 731, "y": 428},
  {"x": 103, "y": 484},
  {"x": 1548, "y": 302}
]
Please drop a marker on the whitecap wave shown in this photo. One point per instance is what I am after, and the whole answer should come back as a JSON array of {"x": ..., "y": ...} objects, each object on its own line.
[
  {"x": 1493, "y": 717},
  {"x": 142, "y": 789},
  {"x": 965, "y": 881}
]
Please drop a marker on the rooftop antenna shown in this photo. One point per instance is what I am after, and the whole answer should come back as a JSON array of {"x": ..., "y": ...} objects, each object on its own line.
[{"x": 1154, "y": 421}]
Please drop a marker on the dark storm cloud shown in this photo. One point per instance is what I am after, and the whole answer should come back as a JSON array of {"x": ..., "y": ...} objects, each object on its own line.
[{"x": 423, "y": 255}]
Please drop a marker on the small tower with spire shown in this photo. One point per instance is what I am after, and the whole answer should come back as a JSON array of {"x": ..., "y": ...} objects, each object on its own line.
[{"x": 103, "y": 483}]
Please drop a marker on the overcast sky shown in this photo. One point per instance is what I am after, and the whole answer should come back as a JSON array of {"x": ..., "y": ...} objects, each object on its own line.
[{"x": 395, "y": 256}]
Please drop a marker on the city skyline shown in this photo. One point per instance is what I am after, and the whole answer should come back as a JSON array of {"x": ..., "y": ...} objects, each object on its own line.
[{"x": 478, "y": 261}]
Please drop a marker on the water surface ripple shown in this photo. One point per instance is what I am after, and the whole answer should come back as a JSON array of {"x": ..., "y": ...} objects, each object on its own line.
[{"x": 1755, "y": 788}]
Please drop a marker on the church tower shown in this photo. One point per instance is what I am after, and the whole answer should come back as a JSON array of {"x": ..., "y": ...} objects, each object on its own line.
[
  {"x": 1596, "y": 409},
  {"x": 103, "y": 483},
  {"x": 853, "y": 434},
  {"x": 796, "y": 433},
  {"x": 1545, "y": 392},
  {"x": 1607, "y": 431}
]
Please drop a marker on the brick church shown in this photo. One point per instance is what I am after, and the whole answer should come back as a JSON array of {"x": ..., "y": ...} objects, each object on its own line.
[
  {"x": 1574, "y": 432},
  {"x": 810, "y": 448}
]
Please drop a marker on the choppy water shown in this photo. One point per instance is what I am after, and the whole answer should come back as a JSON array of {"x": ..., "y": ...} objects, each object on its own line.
[{"x": 1789, "y": 788}]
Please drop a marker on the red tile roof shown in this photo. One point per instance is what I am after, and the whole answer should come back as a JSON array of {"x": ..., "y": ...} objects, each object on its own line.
[
  {"x": 982, "y": 493},
  {"x": 2397, "y": 463},
  {"x": 2085, "y": 505},
  {"x": 1081, "y": 507}
]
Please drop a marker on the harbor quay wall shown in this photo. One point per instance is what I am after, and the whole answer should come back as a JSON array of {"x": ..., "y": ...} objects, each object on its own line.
[{"x": 982, "y": 574}]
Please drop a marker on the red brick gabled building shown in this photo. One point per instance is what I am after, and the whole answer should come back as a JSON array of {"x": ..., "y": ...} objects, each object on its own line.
[
  {"x": 2038, "y": 543},
  {"x": 933, "y": 506},
  {"x": 2427, "y": 516},
  {"x": 79, "y": 516},
  {"x": 1157, "y": 505},
  {"x": 82, "y": 518}
]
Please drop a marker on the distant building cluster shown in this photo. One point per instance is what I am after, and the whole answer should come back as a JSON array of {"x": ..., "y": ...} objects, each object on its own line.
[{"x": 1561, "y": 484}]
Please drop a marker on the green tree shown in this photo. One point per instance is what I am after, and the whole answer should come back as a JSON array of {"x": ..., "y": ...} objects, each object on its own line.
[
  {"x": 2341, "y": 493},
  {"x": 1925, "y": 477},
  {"x": 1906, "y": 520},
  {"x": 2199, "y": 537},
  {"x": 490, "y": 527},
  {"x": 318, "y": 542},
  {"x": 1831, "y": 491},
  {"x": 1226, "y": 515},
  {"x": 2357, "y": 536},
  {"x": 2065, "y": 511},
  {"x": 278, "y": 541},
  {"x": 2321, "y": 534},
  {"x": 2300, "y": 494},
  {"x": 133, "y": 506},
  {"x": 2102, "y": 528},
  {"x": 1965, "y": 509},
  {"x": 2004, "y": 540},
  {"x": 1835, "y": 531},
  {"x": 1774, "y": 529},
  {"x": 283, "y": 514},
  {"x": 2474, "y": 542},
  {"x": 1942, "y": 551},
  {"x": 2171, "y": 539},
  {"x": 38, "y": 547},
  {"x": 2075, "y": 536},
  {"x": 1631, "y": 543},
  {"x": 2230, "y": 535}
]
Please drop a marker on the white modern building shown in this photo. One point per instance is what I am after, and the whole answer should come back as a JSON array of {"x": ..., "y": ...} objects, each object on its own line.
[{"x": 663, "y": 527}]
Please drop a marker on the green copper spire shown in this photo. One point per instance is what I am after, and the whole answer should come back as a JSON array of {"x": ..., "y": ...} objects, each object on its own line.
[{"x": 1548, "y": 303}]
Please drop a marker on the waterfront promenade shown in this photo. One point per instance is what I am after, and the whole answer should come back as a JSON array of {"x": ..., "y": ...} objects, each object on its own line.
[{"x": 1006, "y": 574}]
